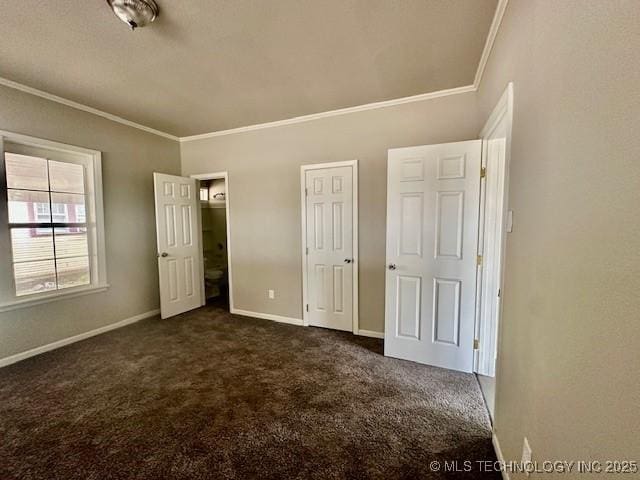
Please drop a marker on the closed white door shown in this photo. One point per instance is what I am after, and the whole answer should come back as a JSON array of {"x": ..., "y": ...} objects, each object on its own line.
[
  {"x": 329, "y": 239},
  {"x": 432, "y": 235},
  {"x": 178, "y": 243}
]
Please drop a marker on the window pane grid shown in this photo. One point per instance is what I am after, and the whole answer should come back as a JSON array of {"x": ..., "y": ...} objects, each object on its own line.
[{"x": 48, "y": 225}]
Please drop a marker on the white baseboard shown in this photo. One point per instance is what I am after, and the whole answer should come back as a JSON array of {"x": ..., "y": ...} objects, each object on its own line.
[
  {"x": 370, "y": 333},
  {"x": 496, "y": 447},
  {"x": 76, "y": 338},
  {"x": 267, "y": 316},
  {"x": 294, "y": 321}
]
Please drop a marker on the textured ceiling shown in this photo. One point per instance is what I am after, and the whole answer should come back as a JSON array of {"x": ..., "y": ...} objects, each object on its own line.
[{"x": 208, "y": 65}]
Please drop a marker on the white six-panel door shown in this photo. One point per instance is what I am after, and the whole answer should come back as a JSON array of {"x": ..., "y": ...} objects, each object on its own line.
[
  {"x": 329, "y": 242},
  {"x": 432, "y": 234},
  {"x": 178, "y": 239}
]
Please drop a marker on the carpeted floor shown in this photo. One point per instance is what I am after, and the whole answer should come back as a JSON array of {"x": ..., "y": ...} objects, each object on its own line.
[{"x": 208, "y": 395}]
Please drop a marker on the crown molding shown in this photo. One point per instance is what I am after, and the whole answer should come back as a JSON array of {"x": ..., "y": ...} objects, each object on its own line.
[
  {"x": 486, "y": 52},
  {"x": 491, "y": 38},
  {"x": 79, "y": 106},
  {"x": 333, "y": 113}
]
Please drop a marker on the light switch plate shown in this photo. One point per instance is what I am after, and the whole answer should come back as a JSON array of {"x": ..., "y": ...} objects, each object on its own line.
[
  {"x": 509, "y": 221},
  {"x": 272, "y": 294}
]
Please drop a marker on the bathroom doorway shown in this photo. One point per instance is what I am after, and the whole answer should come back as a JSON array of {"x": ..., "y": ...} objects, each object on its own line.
[{"x": 214, "y": 223}]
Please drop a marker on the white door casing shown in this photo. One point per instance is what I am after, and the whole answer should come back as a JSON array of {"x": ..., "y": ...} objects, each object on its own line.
[
  {"x": 432, "y": 234},
  {"x": 330, "y": 263},
  {"x": 178, "y": 241},
  {"x": 490, "y": 244},
  {"x": 496, "y": 138}
]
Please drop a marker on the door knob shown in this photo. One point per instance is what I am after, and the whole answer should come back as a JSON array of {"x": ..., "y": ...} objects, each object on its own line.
[
  {"x": 163, "y": 254},
  {"x": 348, "y": 260},
  {"x": 392, "y": 266}
]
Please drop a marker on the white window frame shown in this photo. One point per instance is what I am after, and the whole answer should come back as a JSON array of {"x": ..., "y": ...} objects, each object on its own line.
[{"x": 94, "y": 211}]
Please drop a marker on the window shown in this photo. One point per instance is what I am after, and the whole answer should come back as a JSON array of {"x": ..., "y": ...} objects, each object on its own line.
[
  {"x": 54, "y": 221},
  {"x": 48, "y": 240}
]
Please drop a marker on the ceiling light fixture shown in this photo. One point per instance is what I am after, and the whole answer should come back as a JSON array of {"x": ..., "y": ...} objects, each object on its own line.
[{"x": 135, "y": 13}]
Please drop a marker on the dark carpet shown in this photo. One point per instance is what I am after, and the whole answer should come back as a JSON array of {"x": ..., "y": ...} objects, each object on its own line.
[{"x": 208, "y": 395}]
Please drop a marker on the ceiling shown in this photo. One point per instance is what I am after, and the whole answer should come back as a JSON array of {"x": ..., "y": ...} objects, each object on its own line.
[{"x": 209, "y": 65}]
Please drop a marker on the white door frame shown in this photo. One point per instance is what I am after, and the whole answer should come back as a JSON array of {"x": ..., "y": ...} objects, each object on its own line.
[
  {"x": 502, "y": 112},
  {"x": 217, "y": 176},
  {"x": 303, "y": 202}
]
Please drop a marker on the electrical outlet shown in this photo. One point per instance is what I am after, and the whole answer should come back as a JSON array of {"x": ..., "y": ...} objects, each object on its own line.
[
  {"x": 526, "y": 454},
  {"x": 272, "y": 294}
]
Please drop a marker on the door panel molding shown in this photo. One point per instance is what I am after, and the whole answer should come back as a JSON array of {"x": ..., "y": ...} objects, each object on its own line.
[
  {"x": 335, "y": 186},
  {"x": 409, "y": 306},
  {"x": 448, "y": 239},
  {"x": 444, "y": 313},
  {"x": 410, "y": 242}
]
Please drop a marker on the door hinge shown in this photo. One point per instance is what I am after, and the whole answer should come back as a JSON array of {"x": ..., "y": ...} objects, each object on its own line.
[
  {"x": 483, "y": 172},
  {"x": 307, "y": 252},
  {"x": 476, "y": 344},
  {"x": 306, "y": 192},
  {"x": 499, "y": 292},
  {"x": 479, "y": 260},
  {"x": 307, "y": 307}
]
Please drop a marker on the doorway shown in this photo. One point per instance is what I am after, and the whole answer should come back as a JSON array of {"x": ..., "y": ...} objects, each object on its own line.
[
  {"x": 213, "y": 194},
  {"x": 330, "y": 245},
  {"x": 495, "y": 223},
  {"x": 447, "y": 221}
]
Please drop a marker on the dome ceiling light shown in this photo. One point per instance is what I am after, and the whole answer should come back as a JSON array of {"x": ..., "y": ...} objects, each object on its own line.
[{"x": 135, "y": 13}]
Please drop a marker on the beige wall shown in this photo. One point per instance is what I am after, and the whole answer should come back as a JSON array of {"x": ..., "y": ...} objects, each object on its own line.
[
  {"x": 569, "y": 365},
  {"x": 264, "y": 193},
  {"x": 129, "y": 158}
]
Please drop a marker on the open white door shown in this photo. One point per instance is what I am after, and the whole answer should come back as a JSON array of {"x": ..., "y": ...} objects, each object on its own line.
[
  {"x": 178, "y": 243},
  {"x": 432, "y": 235}
]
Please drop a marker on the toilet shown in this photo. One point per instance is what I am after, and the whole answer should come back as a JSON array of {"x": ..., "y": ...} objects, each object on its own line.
[{"x": 215, "y": 278}]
